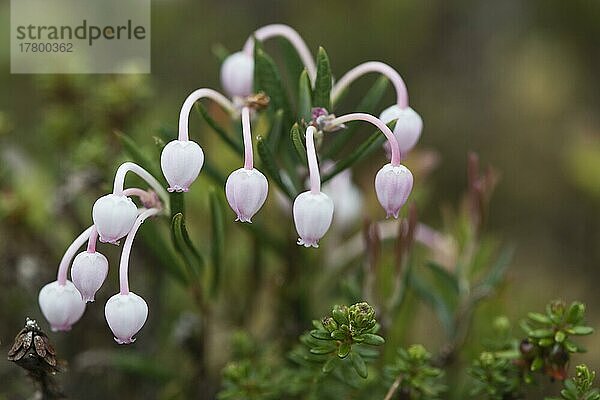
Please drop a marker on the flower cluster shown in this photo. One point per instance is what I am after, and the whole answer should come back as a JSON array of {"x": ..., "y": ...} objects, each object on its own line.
[{"x": 116, "y": 216}]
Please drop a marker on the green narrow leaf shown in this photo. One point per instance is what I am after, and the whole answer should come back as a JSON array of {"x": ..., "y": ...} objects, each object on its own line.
[
  {"x": 330, "y": 365},
  {"x": 444, "y": 278},
  {"x": 139, "y": 157},
  {"x": 429, "y": 295},
  {"x": 267, "y": 79},
  {"x": 582, "y": 330},
  {"x": 372, "y": 339},
  {"x": 276, "y": 130},
  {"x": 298, "y": 143},
  {"x": 494, "y": 277},
  {"x": 368, "y": 104},
  {"x": 270, "y": 166},
  {"x": 344, "y": 350},
  {"x": 372, "y": 143},
  {"x": 186, "y": 248},
  {"x": 304, "y": 97},
  {"x": 359, "y": 364},
  {"x": 219, "y": 130},
  {"x": 218, "y": 237},
  {"x": 323, "y": 82},
  {"x": 293, "y": 63}
]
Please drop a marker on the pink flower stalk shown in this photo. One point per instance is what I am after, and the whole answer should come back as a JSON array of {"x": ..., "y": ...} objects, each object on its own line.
[
  {"x": 181, "y": 160},
  {"x": 60, "y": 301},
  {"x": 115, "y": 213},
  {"x": 126, "y": 312},
  {"x": 409, "y": 124},
  {"x": 246, "y": 188},
  {"x": 89, "y": 269},
  {"x": 279, "y": 30},
  {"x": 313, "y": 210},
  {"x": 393, "y": 182}
]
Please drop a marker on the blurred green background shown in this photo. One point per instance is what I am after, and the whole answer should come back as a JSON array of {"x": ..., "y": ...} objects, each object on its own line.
[{"x": 515, "y": 81}]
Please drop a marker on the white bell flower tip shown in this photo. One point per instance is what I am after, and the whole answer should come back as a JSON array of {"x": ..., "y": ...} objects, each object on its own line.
[
  {"x": 125, "y": 314},
  {"x": 237, "y": 75},
  {"x": 61, "y": 305},
  {"x": 114, "y": 216},
  {"x": 313, "y": 214},
  {"x": 181, "y": 162},
  {"x": 246, "y": 191},
  {"x": 88, "y": 272},
  {"x": 393, "y": 185},
  {"x": 408, "y": 127}
]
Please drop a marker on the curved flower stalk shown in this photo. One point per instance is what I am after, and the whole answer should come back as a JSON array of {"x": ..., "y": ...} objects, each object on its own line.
[
  {"x": 63, "y": 301},
  {"x": 409, "y": 124},
  {"x": 313, "y": 209},
  {"x": 237, "y": 71},
  {"x": 115, "y": 213},
  {"x": 393, "y": 182},
  {"x": 246, "y": 188},
  {"x": 181, "y": 160},
  {"x": 126, "y": 312},
  {"x": 287, "y": 32},
  {"x": 60, "y": 301}
]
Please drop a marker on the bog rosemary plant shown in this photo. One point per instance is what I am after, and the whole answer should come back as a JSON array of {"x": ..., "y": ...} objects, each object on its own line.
[{"x": 292, "y": 194}]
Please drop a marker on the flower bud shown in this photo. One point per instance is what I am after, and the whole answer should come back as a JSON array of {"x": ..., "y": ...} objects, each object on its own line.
[
  {"x": 88, "y": 272},
  {"x": 408, "y": 126},
  {"x": 61, "y": 305},
  {"x": 125, "y": 314},
  {"x": 312, "y": 216},
  {"x": 246, "y": 191},
  {"x": 393, "y": 185},
  {"x": 113, "y": 216},
  {"x": 181, "y": 162},
  {"x": 237, "y": 74}
]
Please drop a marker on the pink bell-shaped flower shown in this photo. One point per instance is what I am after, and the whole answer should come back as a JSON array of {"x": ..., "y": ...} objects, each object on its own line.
[
  {"x": 181, "y": 162},
  {"x": 246, "y": 191},
  {"x": 61, "y": 305},
  {"x": 393, "y": 185},
  {"x": 313, "y": 213},
  {"x": 126, "y": 315},
  {"x": 113, "y": 216},
  {"x": 88, "y": 273},
  {"x": 237, "y": 74},
  {"x": 408, "y": 126}
]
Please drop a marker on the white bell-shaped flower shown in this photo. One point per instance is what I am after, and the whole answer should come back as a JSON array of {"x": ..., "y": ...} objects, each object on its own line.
[
  {"x": 126, "y": 314},
  {"x": 408, "y": 126},
  {"x": 181, "y": 162},
  {"x": 113, "y": 216},
  {"x": 237, "y": 74},
  {"x": 88, "y": 273},
  {"x": 393, "y": 185},
  {"x": 61, "y": 305},
  {"x": 246, "y": 191},
  {"x": 313, "y": 213}
]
